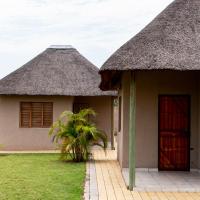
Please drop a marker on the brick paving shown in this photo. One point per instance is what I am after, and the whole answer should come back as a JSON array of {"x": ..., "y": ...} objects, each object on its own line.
[{"x": 106, "y": 182}]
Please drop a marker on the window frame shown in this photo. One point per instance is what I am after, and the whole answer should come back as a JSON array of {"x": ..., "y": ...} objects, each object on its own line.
[{"x": 30, "y": 117}]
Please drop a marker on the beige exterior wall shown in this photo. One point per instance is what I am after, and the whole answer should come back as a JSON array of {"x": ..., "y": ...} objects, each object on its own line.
[
  {"x": 12, "y": 137},
  {"x": 122, "y": 139},
  {"x": 198, "y": 110},
  {"x": 149, "y": 84},
  {"x": 103, "y": 108}
]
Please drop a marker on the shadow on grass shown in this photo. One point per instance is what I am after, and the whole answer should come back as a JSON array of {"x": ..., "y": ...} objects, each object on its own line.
[{"x": 3, "y": 154}]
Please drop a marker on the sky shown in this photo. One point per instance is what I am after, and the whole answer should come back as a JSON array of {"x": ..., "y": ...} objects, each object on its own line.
[{"x": 96, "y": 28}]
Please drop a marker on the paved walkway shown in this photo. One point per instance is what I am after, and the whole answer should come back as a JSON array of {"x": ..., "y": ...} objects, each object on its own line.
[{"x": 106, "y": 183}]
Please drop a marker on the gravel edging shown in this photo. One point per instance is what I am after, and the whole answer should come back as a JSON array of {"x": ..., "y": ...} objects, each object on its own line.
[{"x": 91, "y": 187}]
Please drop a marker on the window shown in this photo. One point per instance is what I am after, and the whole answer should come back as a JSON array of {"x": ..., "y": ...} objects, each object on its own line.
[{"x": 36, "y": 114}]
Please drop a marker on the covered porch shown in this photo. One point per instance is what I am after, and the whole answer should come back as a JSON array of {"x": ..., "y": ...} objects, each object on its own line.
[{"x": 159, "y": 137}]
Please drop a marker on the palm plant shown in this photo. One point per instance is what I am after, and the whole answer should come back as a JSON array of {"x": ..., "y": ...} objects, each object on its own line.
[{"x": 75, "y": 134}]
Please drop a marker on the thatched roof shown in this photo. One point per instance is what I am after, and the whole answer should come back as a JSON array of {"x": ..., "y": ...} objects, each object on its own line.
[
  {"x": 170, "y": 41},
  {"x": 59, "y": 70}
]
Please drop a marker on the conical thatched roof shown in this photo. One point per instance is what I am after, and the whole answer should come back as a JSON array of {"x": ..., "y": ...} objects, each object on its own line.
[
  {"x": 170, "y": 41},
  {"x": 59, "y": 70}
]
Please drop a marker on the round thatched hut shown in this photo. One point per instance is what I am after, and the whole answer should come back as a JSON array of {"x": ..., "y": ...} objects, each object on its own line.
[
  {"x": 33, "y": 96},
  {"x": 157, "y": 73}
]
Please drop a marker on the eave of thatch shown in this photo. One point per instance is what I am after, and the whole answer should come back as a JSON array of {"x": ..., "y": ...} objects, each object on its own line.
[
  {"x": 170, "y": 42},
  {"x": 59, "y": 70}
]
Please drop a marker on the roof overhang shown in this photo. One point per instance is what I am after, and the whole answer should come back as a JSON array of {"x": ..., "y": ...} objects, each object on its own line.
[{"x": 110, "y": 80}]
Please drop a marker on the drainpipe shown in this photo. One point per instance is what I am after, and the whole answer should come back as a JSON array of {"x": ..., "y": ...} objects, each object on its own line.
[
  {"x": 112, "y": 124},
  {"x": 132, "y": 131}
]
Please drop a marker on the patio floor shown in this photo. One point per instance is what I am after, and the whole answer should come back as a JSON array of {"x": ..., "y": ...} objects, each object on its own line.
[
  {"x": 165, "y": 181},
  {"x": 105, "y": 182}
]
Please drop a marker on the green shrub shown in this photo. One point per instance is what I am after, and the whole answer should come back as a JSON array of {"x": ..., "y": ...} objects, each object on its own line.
[{"x": 75, "y": 134}]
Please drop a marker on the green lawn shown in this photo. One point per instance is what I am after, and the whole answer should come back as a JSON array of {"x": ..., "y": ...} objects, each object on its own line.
[{"x": 40, "y": 177}]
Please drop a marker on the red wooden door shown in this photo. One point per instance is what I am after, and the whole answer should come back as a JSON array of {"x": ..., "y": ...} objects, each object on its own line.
[{"x": 174, "y": 132}]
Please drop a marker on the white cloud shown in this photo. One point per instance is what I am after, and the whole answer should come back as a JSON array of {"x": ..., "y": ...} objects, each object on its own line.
[{"x": 95, "y": 27}]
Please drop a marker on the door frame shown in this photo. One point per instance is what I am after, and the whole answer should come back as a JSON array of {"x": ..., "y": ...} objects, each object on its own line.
[{"x": 189, "y": 127}]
